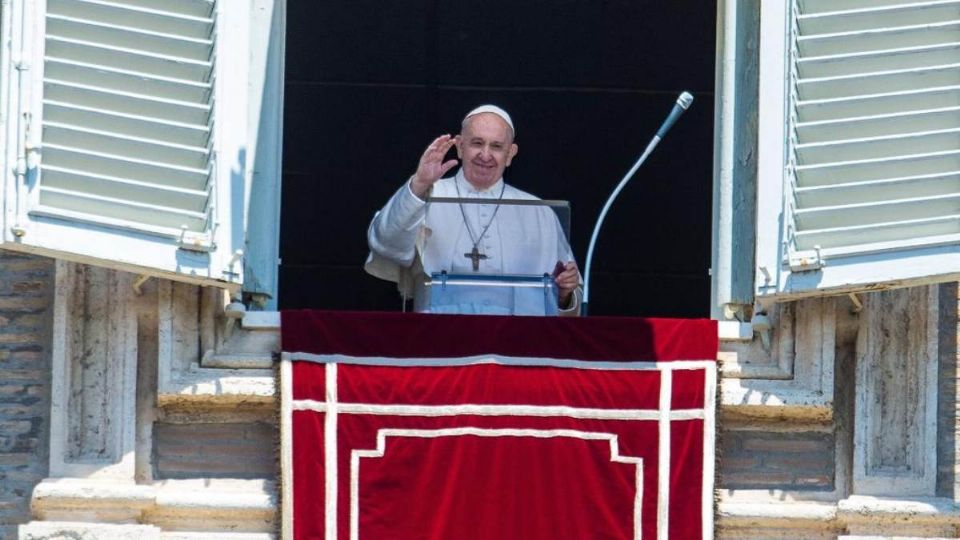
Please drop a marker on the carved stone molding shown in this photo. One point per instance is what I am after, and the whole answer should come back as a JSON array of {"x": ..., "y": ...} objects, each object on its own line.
[
  {"x": 775, "y": 515},
  {"x": 202, "y": 508},
  {"x": 189, "y": 342},
  {"x": 233, "y": 343},
  {"x": 788, "y": 374},
  {"x": 895, "y": 439},
  {"x": 94, "y": 356}
]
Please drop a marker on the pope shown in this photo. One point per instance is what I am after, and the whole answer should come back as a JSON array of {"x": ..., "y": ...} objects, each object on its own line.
[{"x": 411, "y": 238}]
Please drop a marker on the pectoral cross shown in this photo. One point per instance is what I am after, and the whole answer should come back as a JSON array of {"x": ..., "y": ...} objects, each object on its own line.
[{"x": 475, "y": 256}]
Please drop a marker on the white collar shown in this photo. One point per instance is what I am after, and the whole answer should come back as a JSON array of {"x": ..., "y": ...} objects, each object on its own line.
[{"x": 467, "y": 188}]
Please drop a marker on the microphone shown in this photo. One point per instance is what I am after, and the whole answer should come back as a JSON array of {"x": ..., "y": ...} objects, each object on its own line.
[
  {"x": 680, "y": 107},
  {"x": 682, "y": 104}
]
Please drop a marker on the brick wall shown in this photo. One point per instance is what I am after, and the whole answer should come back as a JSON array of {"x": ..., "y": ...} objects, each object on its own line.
[
  {"x": 26, "y": 302},
  {"x": 215, "y": 450},
  {"x": 774, "y": 460}
]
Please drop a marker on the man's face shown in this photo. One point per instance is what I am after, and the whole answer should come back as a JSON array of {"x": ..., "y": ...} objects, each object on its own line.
[{"x": 485, "y": 148}]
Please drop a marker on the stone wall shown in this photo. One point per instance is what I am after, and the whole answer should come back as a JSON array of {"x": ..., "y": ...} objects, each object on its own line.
[
  {"x": 159, "y": 411},
  {"x": 868, "y": 453},
  {"x": 797, "y": 460},
  {"x": 26, "y": 296}
]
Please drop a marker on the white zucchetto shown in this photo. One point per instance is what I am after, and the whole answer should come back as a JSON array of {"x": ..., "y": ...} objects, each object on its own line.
[{"x": 495, "y": 110}]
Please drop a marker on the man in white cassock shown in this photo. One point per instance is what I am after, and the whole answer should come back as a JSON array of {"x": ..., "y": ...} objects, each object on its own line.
[{"x": 411, "y": 238}]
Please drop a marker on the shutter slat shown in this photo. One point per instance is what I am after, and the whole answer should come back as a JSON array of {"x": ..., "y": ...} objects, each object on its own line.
[
  {"x": 883, "y": 60},
  {"x": 128, "y": 103},
  {"x": 193, "y": 8},
  {"x": 108, "y": 164},
  {"x": 887, "y": 166},
  {"x": 878, "y": 125},
  {"x": 119, "y": 58},
  {"x": 878, "y": 147},
  {"x": 130, "y": 125},
  {"x": 112, "y": 13},
  {"x": 870, "y": 16},
  {"x": 878, "y": 39},
  {"x": 68, "y": 28},
  {"x": 127, "y": 82},
  {"x": 865, "y": 238},
  {"x": 881, "y": 82},
  {"x": 877, "y": 212},
  {"x": 930, "y": 185},
  {"x": 139, "y": 192},
  {"x": 819, "y": 7},
  {"x": 120, "y": 209},
  {"x": 121, "y": 145},
  {"x": 876, "y": 104}
]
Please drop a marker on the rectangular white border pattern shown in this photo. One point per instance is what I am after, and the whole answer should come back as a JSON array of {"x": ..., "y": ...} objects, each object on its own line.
[
  {"x": 499, "y": 360},
  {"x": 664, "y": 416},
  {"x": 382, "y": 435},
  {"x": 286, "y": 447},
  {"x": 709, "y": 443},
  {"x": 498, "y": 410},
  {"x": 330, "y": 453},
  {"x": 663, "y": 456}
]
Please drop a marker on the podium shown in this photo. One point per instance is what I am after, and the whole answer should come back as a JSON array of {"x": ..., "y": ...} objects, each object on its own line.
[
  {"x": 517, "y": 283},
  {"x": 485, "y": 294}
]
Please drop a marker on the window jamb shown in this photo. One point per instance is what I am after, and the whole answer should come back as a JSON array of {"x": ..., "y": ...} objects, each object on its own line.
[{"x": 772, "y": 144}]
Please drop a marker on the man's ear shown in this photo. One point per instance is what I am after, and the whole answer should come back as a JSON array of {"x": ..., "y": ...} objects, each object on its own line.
[
  {"x": 457, "y": 140},
  {"x": 511, "y": 153}
]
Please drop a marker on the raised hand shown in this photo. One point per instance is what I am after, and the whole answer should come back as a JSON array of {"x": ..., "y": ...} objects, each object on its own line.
[{"x": 432, "y": 167}]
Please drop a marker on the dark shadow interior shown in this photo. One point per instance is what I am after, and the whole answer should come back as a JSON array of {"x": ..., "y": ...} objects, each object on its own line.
[{"x": 370, "y": 82}]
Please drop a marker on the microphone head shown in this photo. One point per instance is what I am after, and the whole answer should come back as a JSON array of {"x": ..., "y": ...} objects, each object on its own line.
[{"x": 685, "y": 100}]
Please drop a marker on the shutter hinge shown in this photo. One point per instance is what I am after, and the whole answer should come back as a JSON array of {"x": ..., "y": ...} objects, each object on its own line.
[
  {"x": 806, "y": 261},
  {"x": 229, "y": 271}
]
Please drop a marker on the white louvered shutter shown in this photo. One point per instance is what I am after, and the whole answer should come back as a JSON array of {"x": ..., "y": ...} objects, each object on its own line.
[
  {"x": 864, "y": 189},
  {"x": 134, "y": 136},
  {"x": 128, "y": 113}
]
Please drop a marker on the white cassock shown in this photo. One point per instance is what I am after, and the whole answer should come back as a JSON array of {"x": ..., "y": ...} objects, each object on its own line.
[{"x": 411, "y": 239}]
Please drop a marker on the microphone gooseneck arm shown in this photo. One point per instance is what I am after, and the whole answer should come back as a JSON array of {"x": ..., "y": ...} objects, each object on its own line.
[{"x": 682, "y": 104}]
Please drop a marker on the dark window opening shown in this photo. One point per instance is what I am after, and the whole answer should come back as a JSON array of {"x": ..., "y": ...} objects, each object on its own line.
[{"x": 370, "y": 83}]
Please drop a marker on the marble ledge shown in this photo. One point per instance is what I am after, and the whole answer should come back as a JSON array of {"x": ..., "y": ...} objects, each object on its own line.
[
  {"x": 744, "y": 511},
  {"x": 734, "y": 331},
  {"x": 213, "y": 505},
  {"x": 261, "y": 320},
  {"x": 59, "y": 530}
]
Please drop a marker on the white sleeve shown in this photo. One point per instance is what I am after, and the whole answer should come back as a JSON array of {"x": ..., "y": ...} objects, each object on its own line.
[{"x": 393, "y": 230}]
